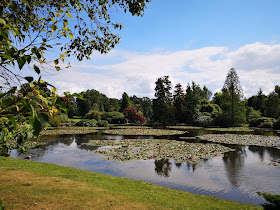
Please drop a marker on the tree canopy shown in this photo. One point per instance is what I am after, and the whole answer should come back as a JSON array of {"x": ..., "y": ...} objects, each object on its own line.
[{"x": 28, "y": 30}]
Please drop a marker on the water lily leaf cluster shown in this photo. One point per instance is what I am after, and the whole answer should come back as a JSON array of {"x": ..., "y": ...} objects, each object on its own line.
[
  {"x": 69, "y": 130},
  {"x": 145, "y": 149},
  {"x": 182, "y": 127},
  {"x": 152, "y": 132},
  {"x": 230, "y": 129},
  {"x": 131, "y": 127},
  {"x": 258, "y": 140}
]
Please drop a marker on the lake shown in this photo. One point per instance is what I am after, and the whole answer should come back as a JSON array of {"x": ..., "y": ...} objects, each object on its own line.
[{"x": 236, "y": 176}]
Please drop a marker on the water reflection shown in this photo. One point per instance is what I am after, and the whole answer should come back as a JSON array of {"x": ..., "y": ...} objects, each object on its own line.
[
  {"x": 234, "y": 162},
  {"x": 163, "y": 167}
]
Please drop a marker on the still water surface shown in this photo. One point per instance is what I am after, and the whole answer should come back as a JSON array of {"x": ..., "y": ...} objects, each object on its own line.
[{"x": 236, "y": 176}]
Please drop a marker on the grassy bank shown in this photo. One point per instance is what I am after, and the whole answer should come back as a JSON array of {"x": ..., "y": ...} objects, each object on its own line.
[{"x": 32, "y": 185}]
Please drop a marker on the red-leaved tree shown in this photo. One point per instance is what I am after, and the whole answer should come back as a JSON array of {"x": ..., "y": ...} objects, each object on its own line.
[{"x": 131, "y": 113}]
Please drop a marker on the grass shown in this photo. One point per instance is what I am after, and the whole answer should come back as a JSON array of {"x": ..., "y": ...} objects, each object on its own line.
[{"x": 33, "y": 185}]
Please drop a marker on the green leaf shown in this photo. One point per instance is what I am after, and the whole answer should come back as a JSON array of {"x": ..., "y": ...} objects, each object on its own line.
[
  {"x": 13, "y": 121},
  {"x": 56, "y": 61},
  {"x": 79, "y": 96},
  {"x": 27, "y": 58},
  {"x": 36, "y": 68},
  {"x": 2, "y": 21},
  {"x": 21, "y": 61},
  {"x": 7, "y": 57},
  {"x": 44, "y": 119},
  {"x": 29, "y": 79},
  {"x": 36, "y": 124}
]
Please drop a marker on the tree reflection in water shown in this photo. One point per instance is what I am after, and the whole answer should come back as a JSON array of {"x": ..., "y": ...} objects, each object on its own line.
[
  {"x": 258, "y": 150},
  {"x": 163, "y": 167},
  {"x": 234, "y": 163}
]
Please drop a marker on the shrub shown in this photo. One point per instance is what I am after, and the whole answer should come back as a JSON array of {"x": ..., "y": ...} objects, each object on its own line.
[
  {"x": 204, "y": 121},
  {"x": 273, "y": 199},
  {"x": 277, "y": 124},
  {"x": 86, "y": 123},
  {"x": 64, "y": 118},
  {"x": 133, "y": 115},
  {"x": 93, "y": 115},
  {"x": 113, "y": 117},
  {"x": 102, "y": 123},
  {"x": 55, "y": 121},
  {"x": 263, "y": 122}
]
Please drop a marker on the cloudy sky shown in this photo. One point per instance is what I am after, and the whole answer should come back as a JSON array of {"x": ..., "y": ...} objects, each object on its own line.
[{"x": 189, "y": 40}]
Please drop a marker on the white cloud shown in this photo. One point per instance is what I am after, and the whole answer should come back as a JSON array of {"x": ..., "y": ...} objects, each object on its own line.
[{"x": 135, "y": 73}]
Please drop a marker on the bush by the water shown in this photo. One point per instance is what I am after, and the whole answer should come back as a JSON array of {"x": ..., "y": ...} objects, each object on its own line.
[
  {"x": 263, "y": 122},
  {"x": 102, "y": 123},
  {"x": 113, "y": 117},
  {"x": 273, "y": 199},
  {"x": 92, "y": 123},
  {"x": 55, "y": 121},
  {"x": 204, "y": 121},
  {"x": 93, "y": 115},
  {"x": 64, "y": 118},
  {"x": 86, "y": 123}
]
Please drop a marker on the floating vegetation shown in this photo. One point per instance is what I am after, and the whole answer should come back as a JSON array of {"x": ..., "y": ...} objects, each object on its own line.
[
  {"x": 230, "y": 129},
  {"x": 69, "y": 130},
  {"x": 183, "y": 127},
  {"x": 145, "y": 149},
  {"x": 143, "y": 132},
  {"x": 131, "y": 127},
  {"x": 266, "y": 141}
]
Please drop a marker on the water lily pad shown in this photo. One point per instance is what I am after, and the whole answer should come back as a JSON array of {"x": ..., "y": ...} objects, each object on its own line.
[
  {"x": 258, "y": 140},
  {"x": 131, "y": 127},
  {"x": 143, "y": 132},
  {"x": 69, "y": 130},
  {"x": 182, "y": 127},
  {"x": 230, "y": 129}
]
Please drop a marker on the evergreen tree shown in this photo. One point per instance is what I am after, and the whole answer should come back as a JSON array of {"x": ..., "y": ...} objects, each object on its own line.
[
  {"x": 272, "y": 105},
  {"x": 192, "y": 100},
  {"x": 125, "y": 101},
  {"x": 162, "y": 105},
  {"x": 147, "y": 107},
  {"x": 178, "y": 99},
  {"x": 231, "y": 104}
]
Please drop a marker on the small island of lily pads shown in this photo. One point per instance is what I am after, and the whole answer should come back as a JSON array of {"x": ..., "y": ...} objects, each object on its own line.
[
  {"x": 70, "y": 130},
  {"x": 257, "y": 140},
  {"x": 234, "y": 129},
  {"x": 184, "y": 127},
  {"x": 144, "y": 132},
  {"x": 145, "y": 149}
]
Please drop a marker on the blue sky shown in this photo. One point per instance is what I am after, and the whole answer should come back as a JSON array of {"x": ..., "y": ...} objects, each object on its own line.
[{"x": 189, "y": 40}]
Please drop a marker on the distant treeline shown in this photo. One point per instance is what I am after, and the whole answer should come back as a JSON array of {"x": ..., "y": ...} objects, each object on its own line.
[{"x": 193, "y": 106}]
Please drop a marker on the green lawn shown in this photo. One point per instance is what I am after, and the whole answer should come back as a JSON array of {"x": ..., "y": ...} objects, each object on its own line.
[{"x": 33, "y": 185}]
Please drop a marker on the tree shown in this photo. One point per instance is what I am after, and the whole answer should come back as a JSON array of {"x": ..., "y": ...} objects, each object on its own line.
[
  {"x": 147, "y": 107},
  {"x": 133, "y": 115},
  {"x": 28, "y": 30},
  {"x": 179, "y": 99},
  {"x": 231, "y": 104},
  {"x": 125, "y": 101},
  {"x": 272, "y": 105},
  {"x": 162, "y": 105},
  {"x": 192, "y": 100},
  {"x": 258, "y": 101}
]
